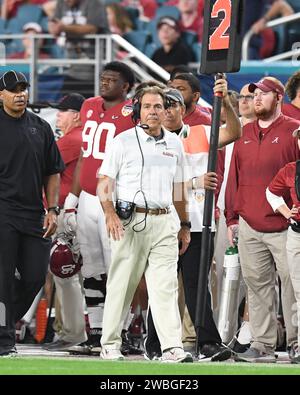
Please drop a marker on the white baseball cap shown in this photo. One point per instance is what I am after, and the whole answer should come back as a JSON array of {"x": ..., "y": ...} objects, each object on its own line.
[{"x": 32, "y": 26}]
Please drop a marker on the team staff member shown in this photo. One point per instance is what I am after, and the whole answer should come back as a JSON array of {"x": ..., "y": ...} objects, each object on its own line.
[
  {"x": 292, "y": 89},
  {"x": 29, "y": 162},
  {"x": 68, "y": 290},
  {"x": 265, "y": 147},
  {"x": 281, "y": 189},
  {"x": 103, "y": 118},
  {"x": 189, "y": 86},
  {"x": 145, "y": 175},
  {"x": 196, "y": 145}
]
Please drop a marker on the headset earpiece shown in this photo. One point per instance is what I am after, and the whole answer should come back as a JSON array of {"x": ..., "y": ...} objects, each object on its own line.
[
  {"x": 136, "y": 108},
  {"x": 167, "y": 102}
]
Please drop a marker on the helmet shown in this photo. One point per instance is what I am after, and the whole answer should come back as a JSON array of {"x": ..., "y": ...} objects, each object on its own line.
[{"x": 64, "y": 262}]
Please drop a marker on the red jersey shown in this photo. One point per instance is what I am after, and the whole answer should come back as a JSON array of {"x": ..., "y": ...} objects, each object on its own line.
[
  {"x": 69, "y": 147},
  {"x": 283, "y": 185},
  {"x": 199, "y": 116},
  {"x": 290, "y": 110},
  {"x": 100, "y": 127},
  {"x": 257, "y": 157}
]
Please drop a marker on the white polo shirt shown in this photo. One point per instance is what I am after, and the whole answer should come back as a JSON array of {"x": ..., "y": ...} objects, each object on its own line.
[{"x": 164, "y": 164}]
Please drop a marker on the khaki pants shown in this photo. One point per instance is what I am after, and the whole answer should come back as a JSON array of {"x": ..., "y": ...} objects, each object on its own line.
[
  {"x": 155, "y": 252},
  {"x": 293, "y": 256},
  {"x": 258, "y": 252},
  {"x": 188, "y": 329}
]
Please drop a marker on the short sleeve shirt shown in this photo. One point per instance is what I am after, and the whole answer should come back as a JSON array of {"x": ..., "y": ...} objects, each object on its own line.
[
  {"x": 164, "y": 164},
  {"x": 28, "y": 154}
]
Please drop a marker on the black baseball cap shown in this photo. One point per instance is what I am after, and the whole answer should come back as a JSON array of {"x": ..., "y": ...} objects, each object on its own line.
[
  {"x": 174, "y": 95},
  {"x": 170, "y": 21},
  {"x": 73, "y": 101},
  {"x": 11, "y": 79}
]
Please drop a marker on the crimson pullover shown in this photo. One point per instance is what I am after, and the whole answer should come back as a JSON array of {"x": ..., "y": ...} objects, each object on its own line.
[
  {"x": 284, "y": 185},
  {"x": 257, "y": 157}
]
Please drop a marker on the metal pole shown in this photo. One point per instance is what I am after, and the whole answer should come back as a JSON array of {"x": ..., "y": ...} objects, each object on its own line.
[
  {"x": 97, "y": 67},
  {"x": 33, "y": 93},
  {"x": 49, "y": 323},
  {"x": 207, "y": 216}
]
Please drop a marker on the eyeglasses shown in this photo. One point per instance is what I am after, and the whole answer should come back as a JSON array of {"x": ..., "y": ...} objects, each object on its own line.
[{"x": 246, "y": 97}]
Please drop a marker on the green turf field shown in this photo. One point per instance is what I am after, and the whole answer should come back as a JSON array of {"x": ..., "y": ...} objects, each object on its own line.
[{"x": 69, "y": 366}]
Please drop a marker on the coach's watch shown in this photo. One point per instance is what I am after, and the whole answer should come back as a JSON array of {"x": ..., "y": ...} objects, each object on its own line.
[
  {"x": 56, "y": 209},
  {"x": 186, "y": 224}
]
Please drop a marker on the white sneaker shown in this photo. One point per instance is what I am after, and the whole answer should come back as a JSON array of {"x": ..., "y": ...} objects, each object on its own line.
[
  {"x": 111, "y": 354},
  {"x": 175, "y": 355}
]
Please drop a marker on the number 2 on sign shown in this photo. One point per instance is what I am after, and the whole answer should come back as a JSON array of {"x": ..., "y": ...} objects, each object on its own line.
[{"x": 220, "y": 40}]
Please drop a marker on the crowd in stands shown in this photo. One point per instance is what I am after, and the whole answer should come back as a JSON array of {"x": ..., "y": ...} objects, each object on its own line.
[{"x": 138, "y": 22}]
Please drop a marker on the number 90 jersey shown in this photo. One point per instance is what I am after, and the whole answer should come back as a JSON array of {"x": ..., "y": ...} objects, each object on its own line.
[{"x": 100, "y": 127}]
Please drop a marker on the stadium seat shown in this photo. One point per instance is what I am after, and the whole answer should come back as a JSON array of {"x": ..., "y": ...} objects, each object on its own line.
[
  {"x": 196, "y": 47},
  {"x": 152, "y": 29},
  {"x": 281, "y": 38},
  {"x": 295, "y": 4},
  {"x": 150, "y": 49},
  {"x": 2, "y": 26},
  {"x": 168, "y": 11},
  {"x": 138, "y": 39},
  {"x": 134, "y": 14},
  {"x": 107, "y": 2},
  {"x": 14, "y": 26},
  {"x": 44, "y": 24},
  {"x": 141, "y": 25},
  {"x": 29, "y": 13},
  {"x": 189, "y": 38}
]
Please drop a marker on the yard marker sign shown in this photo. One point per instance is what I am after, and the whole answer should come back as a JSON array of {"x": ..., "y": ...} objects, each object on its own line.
[
  {"x": 221, "y": 53},
  {"x": 222, "y": 36}
]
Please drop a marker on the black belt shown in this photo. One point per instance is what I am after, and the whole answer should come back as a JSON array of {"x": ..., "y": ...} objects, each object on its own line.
[
  {"x": 296, "y": 227},
  {"x": 153, "y": 211}
]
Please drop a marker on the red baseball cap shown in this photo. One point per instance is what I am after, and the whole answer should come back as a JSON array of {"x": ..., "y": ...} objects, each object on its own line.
[{"x": 266, "y": 85}]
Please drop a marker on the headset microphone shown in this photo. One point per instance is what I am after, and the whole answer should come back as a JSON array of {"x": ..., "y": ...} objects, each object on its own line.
[{"x": 144, "y": 126}]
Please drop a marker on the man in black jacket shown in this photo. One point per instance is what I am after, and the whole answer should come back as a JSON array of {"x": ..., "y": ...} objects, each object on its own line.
[{"x": 29, "y": 163}]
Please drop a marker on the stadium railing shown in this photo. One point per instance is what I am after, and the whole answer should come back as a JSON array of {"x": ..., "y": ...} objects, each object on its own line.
[
  {"x": 275, "y": 22},
  {"x": 106, "y": 50}
]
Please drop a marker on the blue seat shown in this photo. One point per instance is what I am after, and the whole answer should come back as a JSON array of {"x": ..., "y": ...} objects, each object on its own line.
[
  {"x": 29, "y": 13},
  {"x": 14, "y": 26},
  {"x": 141, "y": 25},
  {"x": 134, "y": 14},
  {"x": 2, "y": 26},
  {"x": 44, "y": 24},
  {"x": 138, "y": 39},
  {"x": 197, "y": 47},
  {"x": 150, "y": 49},
  {"x": 107, "y": 2},
  {"x": 152, "y": 29},
  {"x": 281, "y": 38},
  {"x": 189, "y": 38},
  {"x": 166, "y": 10},
  {"x": 295, "y": 4}
]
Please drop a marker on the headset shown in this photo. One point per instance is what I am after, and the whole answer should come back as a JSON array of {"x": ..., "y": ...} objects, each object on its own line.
[
  {"x": 136, "y": 105},
  {"x": 136, "y": 115}
]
